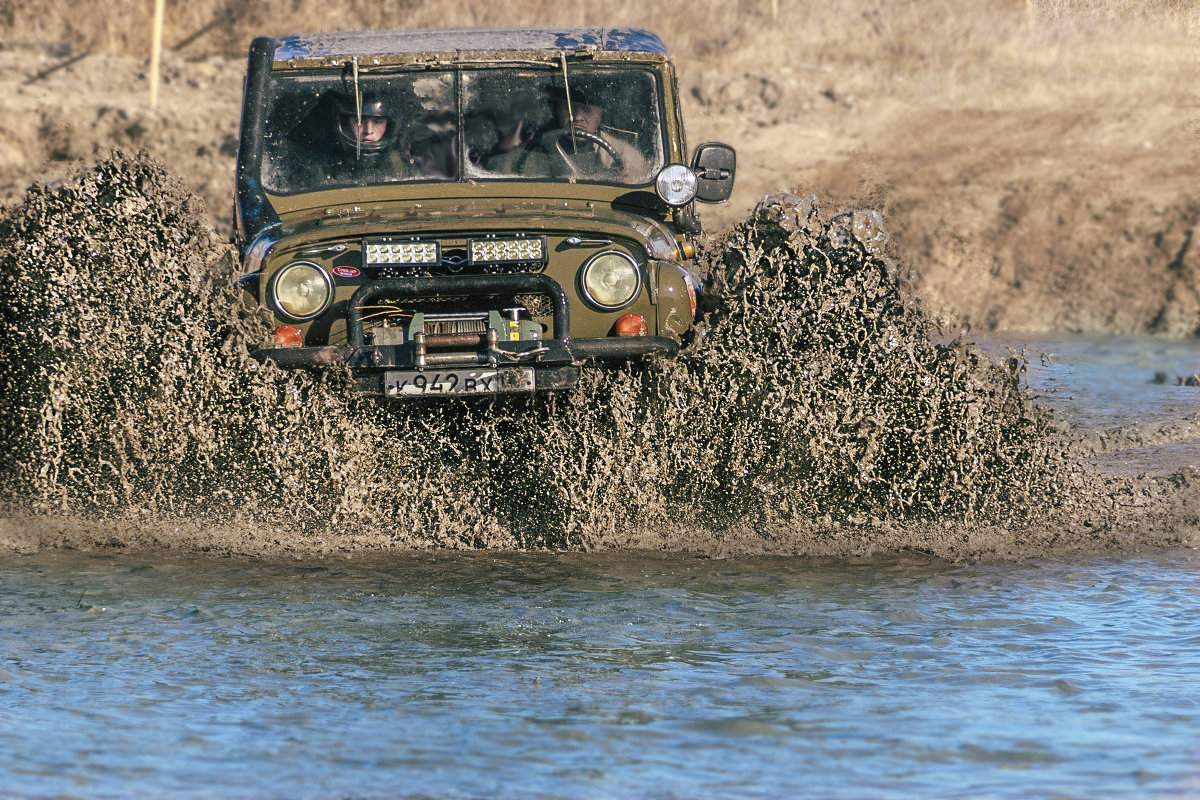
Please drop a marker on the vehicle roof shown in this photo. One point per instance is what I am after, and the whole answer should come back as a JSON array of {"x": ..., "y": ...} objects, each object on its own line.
[{"x": 368, "y": 44}]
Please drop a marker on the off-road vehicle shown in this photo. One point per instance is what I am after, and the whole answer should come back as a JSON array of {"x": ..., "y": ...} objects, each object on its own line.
[{"x": 469, "y": 211}]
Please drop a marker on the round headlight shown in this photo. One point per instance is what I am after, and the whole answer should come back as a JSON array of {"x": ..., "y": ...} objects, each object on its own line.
[
  {"x": 610, "y": 280},
  {"x": 302, "y": 290},
  {"x": 676, "y": 185}
]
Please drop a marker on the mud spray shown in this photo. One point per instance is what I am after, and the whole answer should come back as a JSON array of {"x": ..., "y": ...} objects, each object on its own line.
[{"x": 814, "y": 414}]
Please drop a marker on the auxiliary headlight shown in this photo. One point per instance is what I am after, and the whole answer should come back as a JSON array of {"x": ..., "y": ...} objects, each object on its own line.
[
  {"x": 610, "y": 280},
  {"x": 385, "y": 252},
  {"x": 500, "y": 251},
  {"x": 676, "y": 185},
  {"x": 302, "y": 290}
]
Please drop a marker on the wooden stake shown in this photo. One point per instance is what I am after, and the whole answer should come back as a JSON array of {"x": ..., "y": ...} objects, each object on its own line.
[{"x": 155, "y": 49}]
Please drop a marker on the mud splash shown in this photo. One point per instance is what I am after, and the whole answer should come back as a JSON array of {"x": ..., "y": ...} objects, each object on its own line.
[{"x": 813, "y": 414}]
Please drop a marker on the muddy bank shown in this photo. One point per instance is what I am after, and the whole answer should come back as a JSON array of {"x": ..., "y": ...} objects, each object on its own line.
[
  {"x": 1035, "y": 163},
  {"x": 1050, "y": 236},
  {"x": 814, "y": 415}
]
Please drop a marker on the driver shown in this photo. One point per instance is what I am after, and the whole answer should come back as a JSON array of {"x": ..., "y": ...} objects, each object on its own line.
[{"x": 590, "y": 150}]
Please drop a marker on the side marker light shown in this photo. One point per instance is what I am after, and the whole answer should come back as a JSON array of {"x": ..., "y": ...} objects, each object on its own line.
[
  {"x": 631, "y": 325},
  {"x": 289, "y": 336}
]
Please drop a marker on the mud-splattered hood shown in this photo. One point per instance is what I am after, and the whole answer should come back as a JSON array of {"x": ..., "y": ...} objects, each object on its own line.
[{"x": 577, "y": 214}]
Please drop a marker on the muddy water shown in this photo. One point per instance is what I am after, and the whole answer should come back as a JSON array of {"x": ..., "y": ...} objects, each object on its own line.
[
  {"x": 1104, "y": 382},
  {"x": 572, "y": 675},
  {"x": 619, "y": 675},
  {"x": 525, "y": 675},
  {"x": 812, "y": 413},
  {"x": 1121, "y": 395},
  {"x": 810, "y": 396}
]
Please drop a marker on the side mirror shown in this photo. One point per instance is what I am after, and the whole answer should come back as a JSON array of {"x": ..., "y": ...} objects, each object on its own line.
[{"x": 714, "y": 165}]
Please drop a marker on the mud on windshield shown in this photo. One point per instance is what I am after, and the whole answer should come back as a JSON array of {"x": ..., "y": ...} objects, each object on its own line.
[{"x": 600, "y": 124}]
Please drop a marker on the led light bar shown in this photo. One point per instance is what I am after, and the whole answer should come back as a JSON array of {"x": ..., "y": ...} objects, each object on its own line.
[
  {"x": 386, "y": 252},
  {"x": 507, "y": 251}
]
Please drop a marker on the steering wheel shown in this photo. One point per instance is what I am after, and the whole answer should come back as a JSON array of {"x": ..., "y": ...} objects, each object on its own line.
[{"x": 556, "y": 137}]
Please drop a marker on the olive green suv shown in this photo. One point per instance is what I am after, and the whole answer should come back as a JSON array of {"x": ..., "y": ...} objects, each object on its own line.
[{"x": 469, "y": 211}]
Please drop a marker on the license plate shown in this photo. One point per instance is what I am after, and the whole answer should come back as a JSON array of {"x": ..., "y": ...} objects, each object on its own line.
[{"x": 457, "y": 381}]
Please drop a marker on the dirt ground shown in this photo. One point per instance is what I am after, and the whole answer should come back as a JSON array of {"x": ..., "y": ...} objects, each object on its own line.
[{"x": 1038, "y": 172}]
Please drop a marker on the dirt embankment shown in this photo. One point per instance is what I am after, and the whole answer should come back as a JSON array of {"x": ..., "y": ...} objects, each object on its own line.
[{"x": 1036, "y": 163}]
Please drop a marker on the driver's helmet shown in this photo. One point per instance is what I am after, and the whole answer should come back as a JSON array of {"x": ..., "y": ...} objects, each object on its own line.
[{"x": 346, "y": 113}]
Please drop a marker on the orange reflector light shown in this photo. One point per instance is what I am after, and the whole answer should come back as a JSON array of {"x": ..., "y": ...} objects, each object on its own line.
[
  {"x": 288, "y": 336},
  {"x": 631, "y": 325},
  {"x": 688, "y": 249}
]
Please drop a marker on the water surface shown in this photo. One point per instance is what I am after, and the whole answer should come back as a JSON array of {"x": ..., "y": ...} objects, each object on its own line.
[
  {"x": 1110, "y": 381},
  {"x": 528, "y": 675}
]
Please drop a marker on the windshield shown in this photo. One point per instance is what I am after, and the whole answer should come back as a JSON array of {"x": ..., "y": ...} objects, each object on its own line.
[{"x": 603, "y": 124}]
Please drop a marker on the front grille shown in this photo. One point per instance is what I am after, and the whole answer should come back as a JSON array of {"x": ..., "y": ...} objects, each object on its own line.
[
  {"x": 538, "y": 305},
  {"x": 398, "y": 302},
  {"x": 459, "y": 313},
  {"x": 410, "y": 271}
]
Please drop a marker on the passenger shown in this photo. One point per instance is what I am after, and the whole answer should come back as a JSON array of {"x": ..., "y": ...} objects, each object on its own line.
[
  {"x": 367, "y": 130},
  {"x": 366, "y": 137},
  {"x": 373, "y": 143}
]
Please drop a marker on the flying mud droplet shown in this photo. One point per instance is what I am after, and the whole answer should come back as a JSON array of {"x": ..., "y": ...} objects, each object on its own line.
[{"x": 811, "y": 397}]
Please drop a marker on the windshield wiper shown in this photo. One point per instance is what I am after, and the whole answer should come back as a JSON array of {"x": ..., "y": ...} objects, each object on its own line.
[{"x": 570, "y": 112}]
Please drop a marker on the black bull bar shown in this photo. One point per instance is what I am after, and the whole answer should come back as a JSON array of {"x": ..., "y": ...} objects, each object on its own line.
[{"x": 550, "y": 354}]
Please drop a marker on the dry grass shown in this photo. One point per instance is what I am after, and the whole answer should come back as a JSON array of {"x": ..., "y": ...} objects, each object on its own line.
[
  {"x": 991, "y": 54},
  {"x": 905, "y": 32}
]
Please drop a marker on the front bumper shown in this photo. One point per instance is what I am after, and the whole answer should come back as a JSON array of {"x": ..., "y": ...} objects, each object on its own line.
[{"x": 548, "y": 363}]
